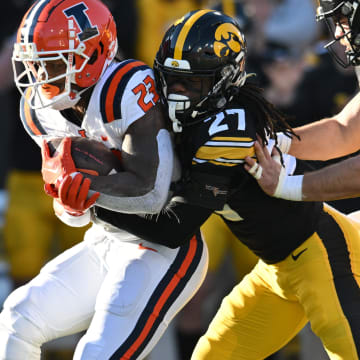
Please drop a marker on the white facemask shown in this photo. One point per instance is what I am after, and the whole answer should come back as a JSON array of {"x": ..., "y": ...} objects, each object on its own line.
[{"x": 63, "y": 101}]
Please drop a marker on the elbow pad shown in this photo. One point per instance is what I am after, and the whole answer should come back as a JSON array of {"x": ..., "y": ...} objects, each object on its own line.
[{"x": 153, "y": 201}]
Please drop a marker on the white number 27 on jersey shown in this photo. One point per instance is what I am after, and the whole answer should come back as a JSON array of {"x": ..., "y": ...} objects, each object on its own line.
[{"x": 217, "y": 125}]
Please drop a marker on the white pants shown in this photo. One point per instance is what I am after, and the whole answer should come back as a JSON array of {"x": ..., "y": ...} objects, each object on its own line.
[{"x": 124, "y": 293}]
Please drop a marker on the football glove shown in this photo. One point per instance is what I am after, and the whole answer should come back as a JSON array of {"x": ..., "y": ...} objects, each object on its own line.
[
  {"x": 55, "y": 168},
  {"x": 73, "y": 193}
]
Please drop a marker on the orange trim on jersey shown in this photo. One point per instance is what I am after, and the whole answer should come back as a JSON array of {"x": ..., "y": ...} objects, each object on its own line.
[
  {"x": 28, "y": 118},
  {"x": 88, "y": 171},
  {"x": 109, "y": 110},
  {"x": 163, "y": 298}
]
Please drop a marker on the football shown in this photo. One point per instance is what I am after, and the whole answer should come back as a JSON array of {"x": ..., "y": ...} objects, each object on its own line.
[{"x": 90, "y": 156}]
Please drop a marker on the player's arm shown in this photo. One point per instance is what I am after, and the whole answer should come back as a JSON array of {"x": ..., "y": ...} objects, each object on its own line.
[
  {"x": 329, "y": 138},
  {"x": 172, "y": 227},
  {"x": 195, "y": 200},
  {"x": 204, "y": 190},
  {"x": 333, "y": 182},
  {"x": 338, "y": 181},
  {"x": 147, "y": 159}
]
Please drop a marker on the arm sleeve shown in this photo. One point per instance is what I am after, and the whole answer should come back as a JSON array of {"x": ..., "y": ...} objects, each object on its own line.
[
  {"x": 172, "y": 227},
  {"x": 154, "y": 200}
]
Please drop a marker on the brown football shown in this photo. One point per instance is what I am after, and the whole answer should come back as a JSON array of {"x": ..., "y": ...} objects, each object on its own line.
[{"x": 90, "y": 156}]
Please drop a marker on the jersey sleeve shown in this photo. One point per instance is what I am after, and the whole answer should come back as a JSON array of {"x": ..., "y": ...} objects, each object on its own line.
[
  {"x": 140, "y": 96},
  {"x": 128, "y": 94}
]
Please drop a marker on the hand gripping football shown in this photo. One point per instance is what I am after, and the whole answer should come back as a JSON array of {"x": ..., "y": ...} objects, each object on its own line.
[{"x": 90, "y": 156}]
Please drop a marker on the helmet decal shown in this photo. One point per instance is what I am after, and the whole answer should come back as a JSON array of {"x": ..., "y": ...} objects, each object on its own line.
[
  {"x": 184, "y": 32},
  {"x": 228, "y": 37},
  {"x": 29, "y": 22},
  {"x": 77, "y": 11}
]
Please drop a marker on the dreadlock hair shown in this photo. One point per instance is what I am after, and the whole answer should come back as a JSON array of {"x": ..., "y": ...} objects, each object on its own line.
[{"x": 269, "y": 120}]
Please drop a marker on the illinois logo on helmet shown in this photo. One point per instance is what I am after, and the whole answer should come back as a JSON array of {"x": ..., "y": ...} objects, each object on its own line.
[{"x": 79, "y": 36}]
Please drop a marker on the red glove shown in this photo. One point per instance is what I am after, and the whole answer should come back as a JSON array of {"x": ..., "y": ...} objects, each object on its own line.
[
  {"x": 73, "y": 193},
  {"x": 55, "y": 168},
  {"x": 51, "y": 190}
]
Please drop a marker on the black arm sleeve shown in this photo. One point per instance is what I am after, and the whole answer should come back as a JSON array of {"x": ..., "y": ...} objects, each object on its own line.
[
  {"x": 200, "y": 193},
  {"x": 172, "y": 227}
]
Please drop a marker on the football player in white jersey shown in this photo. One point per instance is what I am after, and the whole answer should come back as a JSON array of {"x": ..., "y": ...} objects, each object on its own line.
[{"x": 122, "y": 290}]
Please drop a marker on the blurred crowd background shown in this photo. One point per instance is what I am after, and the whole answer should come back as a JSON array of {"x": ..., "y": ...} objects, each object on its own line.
[{"x": 285, "y": 51}]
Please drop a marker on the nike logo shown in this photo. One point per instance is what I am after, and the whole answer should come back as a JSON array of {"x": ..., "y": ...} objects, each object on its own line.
[
  {"x": 142, "y": 247},
  {"x": 295, "y": 257}
]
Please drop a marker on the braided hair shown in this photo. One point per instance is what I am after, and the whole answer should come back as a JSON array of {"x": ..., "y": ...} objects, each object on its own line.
[{"x": 269, "y": 120}]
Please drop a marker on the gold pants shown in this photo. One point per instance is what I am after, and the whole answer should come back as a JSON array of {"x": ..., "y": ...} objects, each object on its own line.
[{"x": 319, "y": 282}]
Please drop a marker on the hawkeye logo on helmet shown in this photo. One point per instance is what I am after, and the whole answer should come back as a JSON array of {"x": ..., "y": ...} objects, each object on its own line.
[
  {"x": 88, "y": 31},
  {"x": 174, "y": 63},
  {"x": 228, "y": 38}
]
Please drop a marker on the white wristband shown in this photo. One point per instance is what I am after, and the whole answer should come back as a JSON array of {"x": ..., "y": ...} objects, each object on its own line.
[
  {"x": 289, "y": 187},
  {"x": 75, "y": 221},
  {"x": 284, "y": 142}
]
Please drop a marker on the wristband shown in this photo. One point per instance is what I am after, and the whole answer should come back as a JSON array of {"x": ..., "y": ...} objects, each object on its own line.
[
  {"x": 283, "y": 142},
  {"x": 75, "y": 220},
  {"x": 289, "y": 187}
]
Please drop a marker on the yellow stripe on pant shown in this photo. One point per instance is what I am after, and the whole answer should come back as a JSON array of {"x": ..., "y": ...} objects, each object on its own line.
[{"x": 319, "y": 282}]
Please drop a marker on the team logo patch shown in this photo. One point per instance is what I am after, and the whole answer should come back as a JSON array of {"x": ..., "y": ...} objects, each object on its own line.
[
  {"x": 215, "y": 190},
  {"x": 174, "y": 64},
  {"x": 228, "y": 38},
  {"x": 78, "y": 12}
]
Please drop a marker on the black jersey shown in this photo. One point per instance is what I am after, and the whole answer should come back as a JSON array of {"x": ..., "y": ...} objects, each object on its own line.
[{"x": 214, "y": 179}]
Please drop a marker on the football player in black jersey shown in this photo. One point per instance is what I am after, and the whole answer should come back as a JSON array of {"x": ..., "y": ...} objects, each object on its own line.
[
  {"x": 329, "y": 138},
  {"x": 309, "y": 253}
]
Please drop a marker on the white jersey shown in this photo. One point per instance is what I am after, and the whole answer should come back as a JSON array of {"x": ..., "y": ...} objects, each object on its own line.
[
  {"x": 123, "y": 95},
  {"x": 125, "y": 92}
]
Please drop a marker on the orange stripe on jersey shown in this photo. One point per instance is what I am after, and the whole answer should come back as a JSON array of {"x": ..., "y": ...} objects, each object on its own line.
[
  {"x": 163, "y": 298},
  {"x": 109, "y": 110},
  {"x": 28, "y": 117}
]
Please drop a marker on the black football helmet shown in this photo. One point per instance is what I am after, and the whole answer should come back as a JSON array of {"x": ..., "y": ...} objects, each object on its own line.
[
  {"x": 332, "y": 11},
  {"x": 208, "y": 45}
]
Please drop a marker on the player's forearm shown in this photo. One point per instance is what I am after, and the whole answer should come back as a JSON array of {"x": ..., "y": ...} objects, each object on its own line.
[
  {"x": 339, "y": 181},
  {"x": 321, "y": 140},
  {"x": 330, "y": 138}
]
